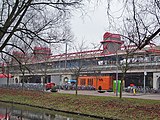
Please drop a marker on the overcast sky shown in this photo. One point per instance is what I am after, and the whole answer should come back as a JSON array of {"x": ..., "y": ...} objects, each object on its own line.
[{"x": 91, "y": 26}]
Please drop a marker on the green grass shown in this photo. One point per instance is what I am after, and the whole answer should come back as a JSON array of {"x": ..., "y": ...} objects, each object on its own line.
[{"x": 109, "y": 107}]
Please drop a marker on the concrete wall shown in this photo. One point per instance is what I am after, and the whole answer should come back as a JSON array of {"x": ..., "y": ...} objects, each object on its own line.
[
  {"x": 56, "y": 79},
  {"x": 156, "y": 80},
  {"x": 4, "y": 80}
]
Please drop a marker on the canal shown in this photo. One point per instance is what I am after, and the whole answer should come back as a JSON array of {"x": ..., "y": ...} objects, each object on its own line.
[{"x": 19, "y": 112}]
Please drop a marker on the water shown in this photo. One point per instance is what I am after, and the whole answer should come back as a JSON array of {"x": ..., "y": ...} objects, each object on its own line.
[{"x": 18, "y": 112}]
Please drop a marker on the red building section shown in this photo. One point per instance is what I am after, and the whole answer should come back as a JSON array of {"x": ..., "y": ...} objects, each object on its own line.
[
  {"x": 42, "y": 50},
  {"x": 74, "y": 55},
  {"x": 41, "y": 53},
  {"x": 5, "y": 75},
  {"x": 111, "y": 43},
  {"x": 153, "y": 50},
  {"x": 20, "y": 56}
]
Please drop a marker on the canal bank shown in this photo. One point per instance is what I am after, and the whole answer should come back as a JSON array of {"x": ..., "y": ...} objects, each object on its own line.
[
  {"x": 100, "y": 106},
  {"x": 88, "y": 116},
  {"x": 9, "y": 111}
]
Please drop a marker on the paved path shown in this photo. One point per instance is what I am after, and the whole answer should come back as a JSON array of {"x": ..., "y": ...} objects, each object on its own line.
[{"x": 128, "y": 95}]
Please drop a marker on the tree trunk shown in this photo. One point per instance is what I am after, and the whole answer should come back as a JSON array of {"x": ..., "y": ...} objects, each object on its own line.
[
  {"x": 121, "y": 85},
  {"x": 121, "y": 88},
  {"x": 44, "y": 82},
  {"x": 23, "y": 81},
  {"x": 76, "y": 86}
]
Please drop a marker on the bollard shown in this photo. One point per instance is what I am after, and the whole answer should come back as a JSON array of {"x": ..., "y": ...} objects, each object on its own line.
[{"x": 134, "y": 91}]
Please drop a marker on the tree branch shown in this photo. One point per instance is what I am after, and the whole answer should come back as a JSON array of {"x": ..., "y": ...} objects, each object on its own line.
[{"x": 147, "y": 41}]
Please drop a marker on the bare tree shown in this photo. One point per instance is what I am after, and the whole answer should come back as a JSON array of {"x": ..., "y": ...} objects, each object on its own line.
[
  {"x": 22, "y": 60},
  {"x": 129, "y": 51},
  {"x": 138, "y": 22},
  {"x": 40, "y": 21},
  {"x": 43, "y": 66},
  {"x": 141, "y": 18},
  {"x": 5, "y": 67},
  {"x": 80, "y": 65}
]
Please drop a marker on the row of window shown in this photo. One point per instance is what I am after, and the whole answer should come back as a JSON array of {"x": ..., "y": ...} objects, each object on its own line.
[
  {"x": 83, "y": 82},
  {"x": 140, "y": 59},
  {"x": 94, "y": 62}
]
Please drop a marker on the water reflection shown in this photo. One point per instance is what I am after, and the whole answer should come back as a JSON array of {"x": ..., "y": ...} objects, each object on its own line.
[{"x": 16, "y": 112}]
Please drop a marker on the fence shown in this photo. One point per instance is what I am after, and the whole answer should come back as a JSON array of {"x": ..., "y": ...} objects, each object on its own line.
[{"x": 26, "y": 86}]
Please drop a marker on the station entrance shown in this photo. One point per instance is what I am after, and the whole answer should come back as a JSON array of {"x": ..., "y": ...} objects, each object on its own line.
[{"x": 138, "y": 79}]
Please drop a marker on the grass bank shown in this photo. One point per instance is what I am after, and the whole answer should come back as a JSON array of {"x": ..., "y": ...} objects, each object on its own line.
[{"x": 107, "y": 107}]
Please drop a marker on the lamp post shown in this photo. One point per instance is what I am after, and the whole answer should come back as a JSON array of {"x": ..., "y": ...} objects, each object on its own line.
[
  {"x": 59, "y": 70},
  {"x": 116, "y": 73},
  {"x": 145, "y": 73}
]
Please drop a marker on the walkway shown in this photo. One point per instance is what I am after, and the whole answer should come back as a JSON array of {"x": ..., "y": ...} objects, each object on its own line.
[{"x": 127, "y": 95}]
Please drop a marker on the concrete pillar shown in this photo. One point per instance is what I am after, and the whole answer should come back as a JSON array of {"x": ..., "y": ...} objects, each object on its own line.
[
  {"x": 42, "y": 77},
  {"x": 156, "y": 80},
  {"x": 16, "y": 78}
]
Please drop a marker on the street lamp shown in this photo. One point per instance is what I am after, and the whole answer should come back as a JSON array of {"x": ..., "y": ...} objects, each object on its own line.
[{"x": 145, "y": 73}]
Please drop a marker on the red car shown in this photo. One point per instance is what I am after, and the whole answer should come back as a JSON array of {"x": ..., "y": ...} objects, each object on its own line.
[{"x": 49, "y": 86}]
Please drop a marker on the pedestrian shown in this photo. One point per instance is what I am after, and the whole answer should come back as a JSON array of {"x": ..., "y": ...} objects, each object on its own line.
[{"x": 100, "y": 88}]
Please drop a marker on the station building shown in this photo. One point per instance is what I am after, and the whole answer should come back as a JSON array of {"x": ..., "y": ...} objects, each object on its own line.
[{"x": 93, "y": 65}]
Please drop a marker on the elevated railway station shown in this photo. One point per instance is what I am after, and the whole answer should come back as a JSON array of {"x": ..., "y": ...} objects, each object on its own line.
[{"x": 42, "y": 66}]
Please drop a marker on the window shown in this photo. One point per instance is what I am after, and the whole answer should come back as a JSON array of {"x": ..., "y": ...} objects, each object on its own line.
[
  {"x": 82, "y": 81},
  {"x": 90, "y": 81}
]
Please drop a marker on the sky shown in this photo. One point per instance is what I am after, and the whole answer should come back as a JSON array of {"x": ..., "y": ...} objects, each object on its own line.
[
  {"x": 91, "y": 26},
  {"x": 88, "y": 25}
]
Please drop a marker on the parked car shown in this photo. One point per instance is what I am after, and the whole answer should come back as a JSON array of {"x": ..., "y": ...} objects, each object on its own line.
[{"x": 49, "y": 86}]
